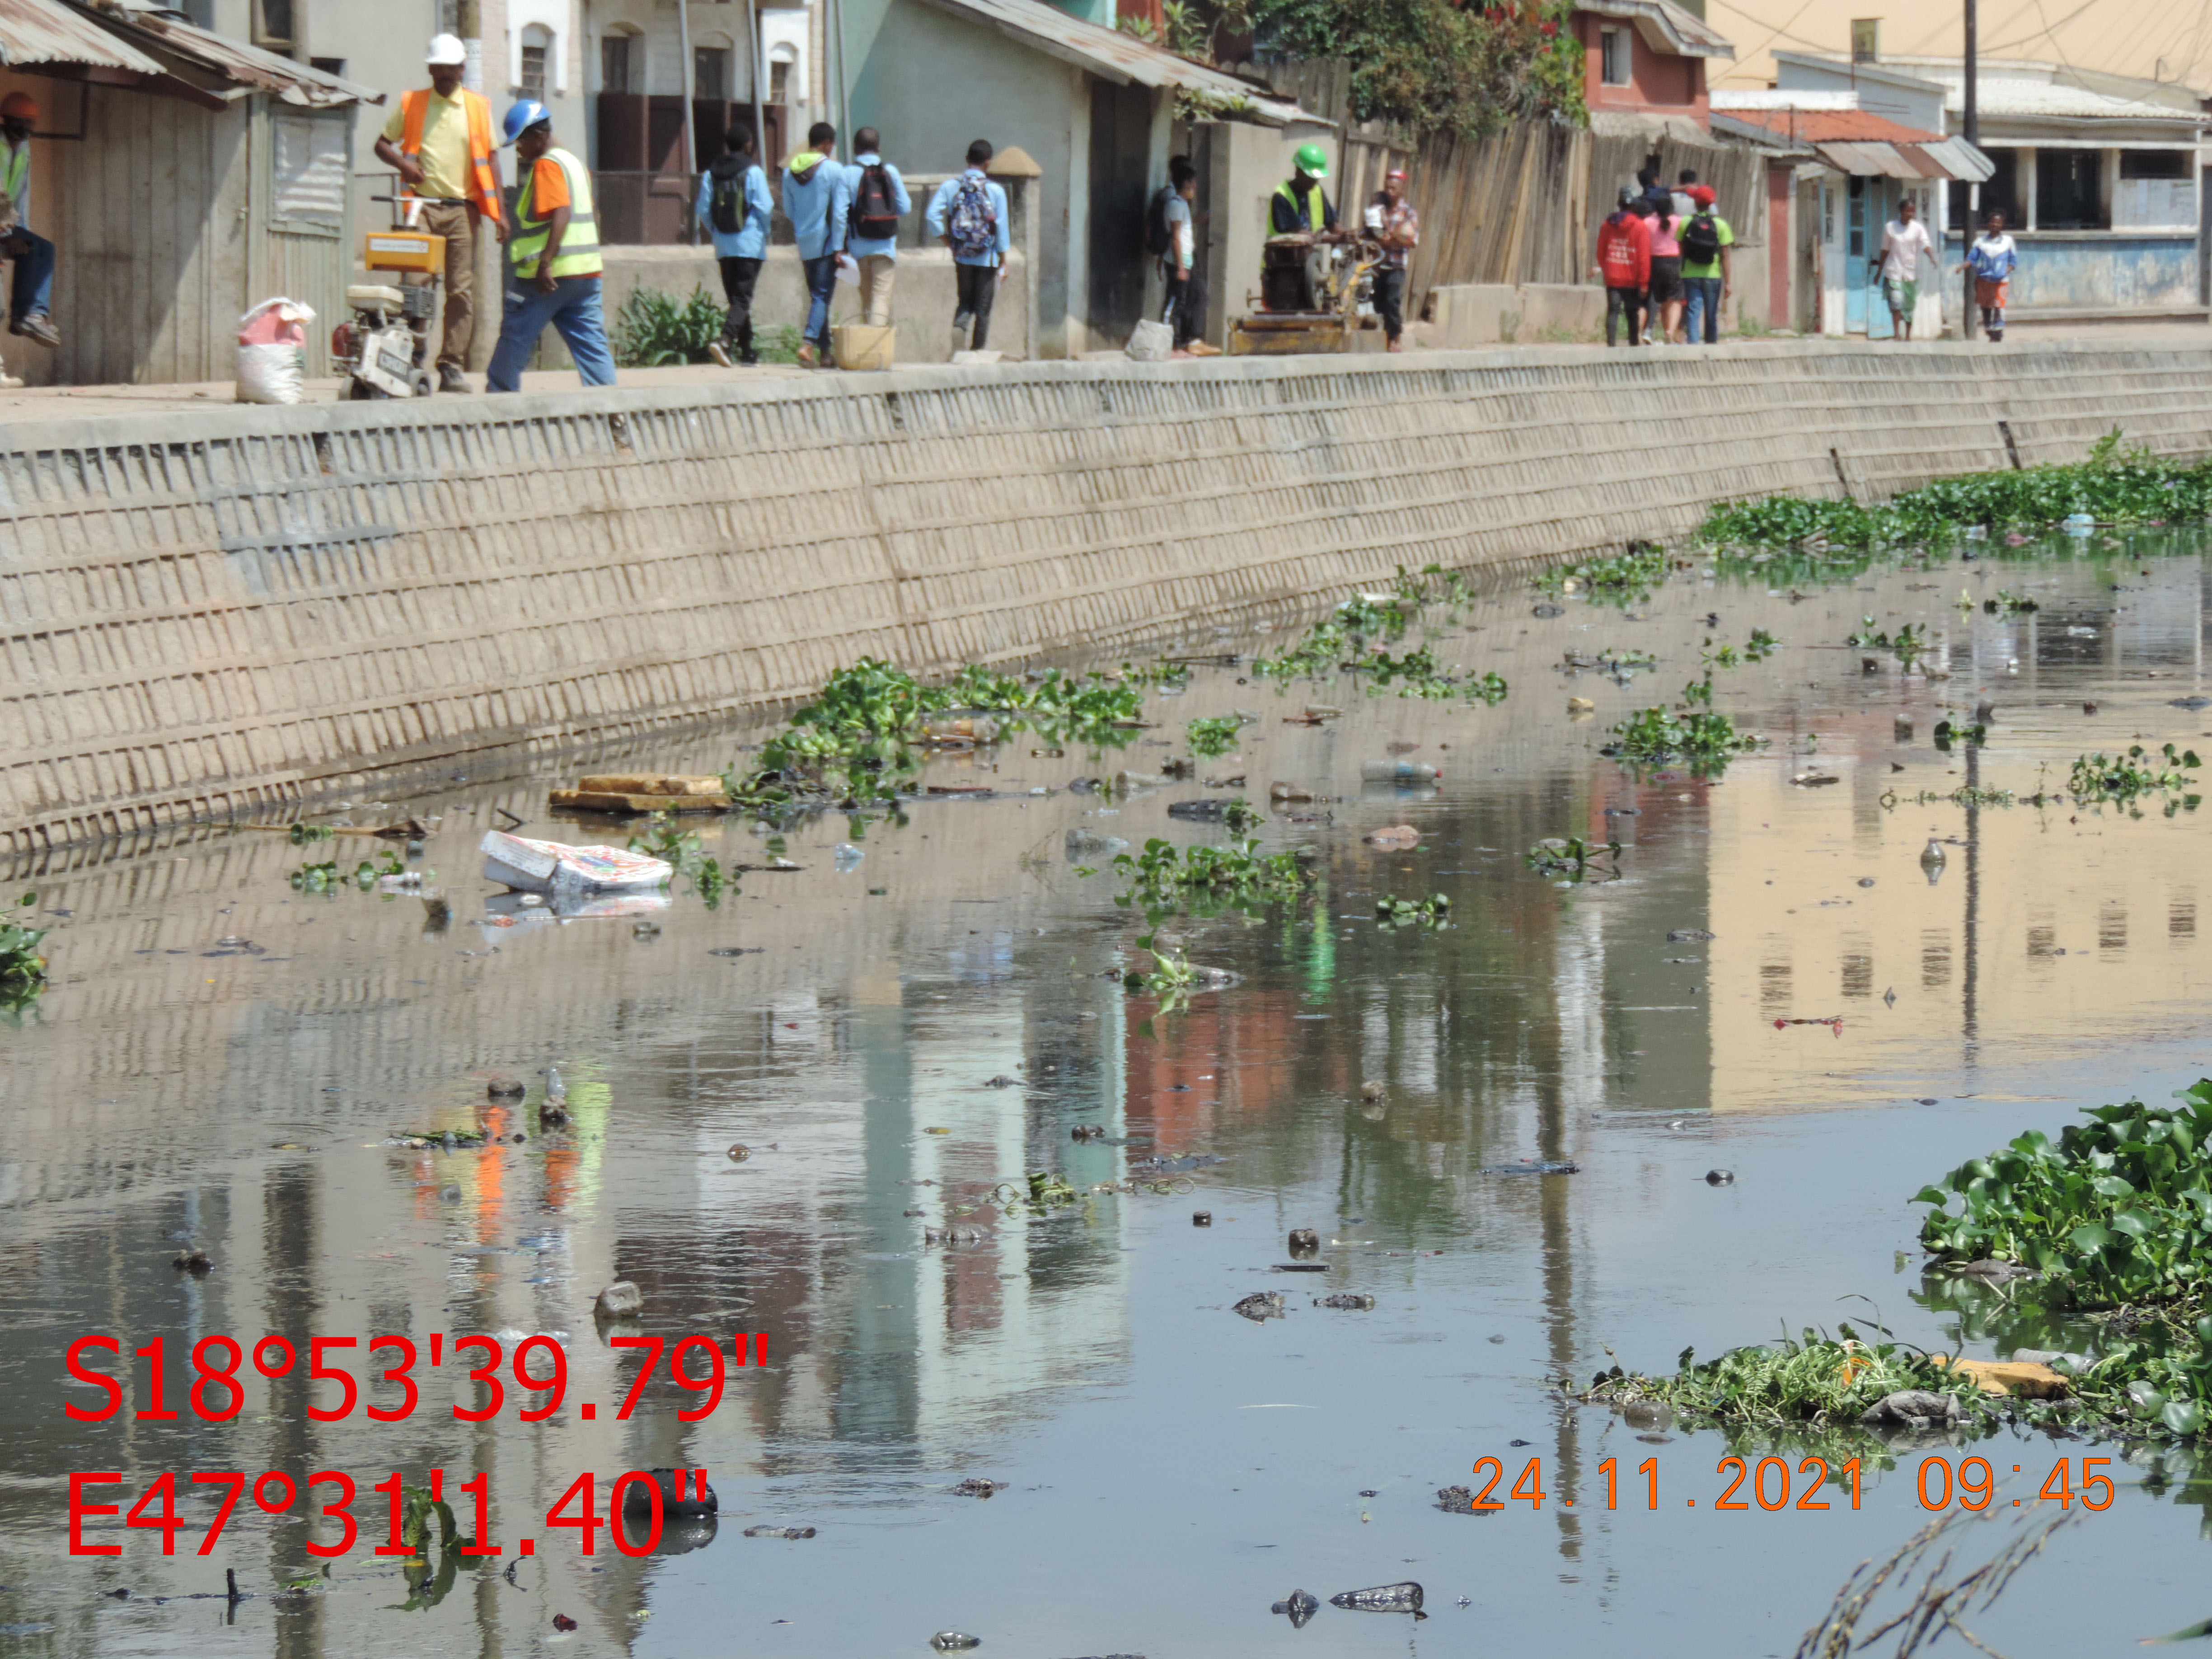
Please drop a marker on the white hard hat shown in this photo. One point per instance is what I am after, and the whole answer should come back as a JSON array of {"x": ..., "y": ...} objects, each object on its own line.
[{"x": 446, "y": 49}]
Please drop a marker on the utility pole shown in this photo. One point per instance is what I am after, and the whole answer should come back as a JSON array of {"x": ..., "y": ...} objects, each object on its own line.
[
  {"x": 687, "y": 84},
  {"x": 1972, "y": 122},
  {"x": 468, "y": 23}
]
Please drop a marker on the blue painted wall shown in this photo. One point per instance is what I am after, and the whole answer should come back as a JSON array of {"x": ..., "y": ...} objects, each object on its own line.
[{"x": 2084, "y": 270}]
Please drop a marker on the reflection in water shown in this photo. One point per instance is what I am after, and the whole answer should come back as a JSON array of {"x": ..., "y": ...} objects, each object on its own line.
[{"x": 891, "y": 1057}]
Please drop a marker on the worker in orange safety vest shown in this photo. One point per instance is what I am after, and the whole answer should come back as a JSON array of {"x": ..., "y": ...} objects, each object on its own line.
[{"x": 439, "y": 141}]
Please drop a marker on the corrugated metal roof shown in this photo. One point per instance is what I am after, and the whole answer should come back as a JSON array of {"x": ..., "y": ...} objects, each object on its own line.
[
  {"x": 1869, "y": 160},
  {"x": 47, "y": 32},
  {"x": 1947, "y": 158},
  {"x": 244, "y": 65},
  {"x": 1829, "y": 126},
  {"x": 1123, "y": 58},
  {"x": 1959, "y": 160},
  {"x": 1681, "y": 31}
]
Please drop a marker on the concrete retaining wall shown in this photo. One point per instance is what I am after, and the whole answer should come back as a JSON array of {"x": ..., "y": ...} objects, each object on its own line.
[{"x": 237, "y": 608}]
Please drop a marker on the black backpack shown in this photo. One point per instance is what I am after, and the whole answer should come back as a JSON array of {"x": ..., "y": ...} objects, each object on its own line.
[
  {"x": 725, "y": 201},
  {"x": 874, "y": 214},
  {"x": 1701, "y": 241},
  {"x": 1156, "y": 222}
]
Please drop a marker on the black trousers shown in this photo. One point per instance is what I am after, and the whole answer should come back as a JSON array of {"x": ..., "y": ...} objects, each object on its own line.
[
  {"x": 1186, "y": 308},
  {"x": 979, "y": 287},
  {"x": 1619, "y": 302},
  {"x": 738, "y": 277},
  {"x": 1390, "y": 300}
]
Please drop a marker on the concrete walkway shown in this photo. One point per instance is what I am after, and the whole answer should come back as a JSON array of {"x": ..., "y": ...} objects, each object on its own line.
[{"x": 69, "y": 403}]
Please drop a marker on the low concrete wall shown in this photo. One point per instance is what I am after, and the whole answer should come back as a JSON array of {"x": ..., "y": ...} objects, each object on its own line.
[
  {"x": 923, "y": 298},
  {"x": 234, "y": 610},
  {"x": 1469, "y": 314}
]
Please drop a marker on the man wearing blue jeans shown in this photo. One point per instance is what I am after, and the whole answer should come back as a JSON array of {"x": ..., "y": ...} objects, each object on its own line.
[
  {"x": 1705, "y": 240},
  {"x": 553, "y": 267},
  {"x": 815, "y": 198},
  {"x": 32, "y": 288}
]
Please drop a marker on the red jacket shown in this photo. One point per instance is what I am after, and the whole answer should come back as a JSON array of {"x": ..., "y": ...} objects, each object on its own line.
[{"x": 1623, "y": 250}]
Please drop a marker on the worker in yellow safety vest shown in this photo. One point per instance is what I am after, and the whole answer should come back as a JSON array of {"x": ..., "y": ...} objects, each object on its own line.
[
  {"x": 33, "y": 286},
  {"x": 553, "y": 263},
  {"x": 438, "y": 141},
  {"x": 1299, "y": 204}
]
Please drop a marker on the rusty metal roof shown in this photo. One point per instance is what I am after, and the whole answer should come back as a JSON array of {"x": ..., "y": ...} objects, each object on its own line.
[
  {"x": 1124, "y": 59},
  {"x": 237, "y": 63},
  {"x": 40, "y": 32}
]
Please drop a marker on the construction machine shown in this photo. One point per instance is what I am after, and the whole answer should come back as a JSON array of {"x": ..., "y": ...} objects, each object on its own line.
[
  {"x": 1315, "y": 292},
  {"x": 383, "y": 352}
]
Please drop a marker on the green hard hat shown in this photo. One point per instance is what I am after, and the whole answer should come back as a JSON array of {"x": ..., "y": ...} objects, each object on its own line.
[{"x": 1313, "y": 161}]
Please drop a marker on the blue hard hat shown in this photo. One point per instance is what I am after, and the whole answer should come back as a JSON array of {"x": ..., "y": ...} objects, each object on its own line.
[{"x": 522, "y": 116}]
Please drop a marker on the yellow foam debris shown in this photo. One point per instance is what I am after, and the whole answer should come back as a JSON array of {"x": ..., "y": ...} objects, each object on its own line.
[{"x": 2013, "y": 1376}]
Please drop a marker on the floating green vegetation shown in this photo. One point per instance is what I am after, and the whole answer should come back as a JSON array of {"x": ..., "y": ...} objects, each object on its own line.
[
  {"x": 1758, "y": 648},
  {"x": 326, "y": 877},
  {"x": 1205, "y": 880},
  {"x": 22, "y": 969},
  {"x": 1631, "y": 574},
  {"x": 1240, "y": 816},
  {"x": 1910, "y": 643},
  {"x": 1343, "y": 633},
  {"x": 2114, "y": 1222},
  {"x": 1699, "y": 736},
  {"x": 1434, "y": 586},
  {"x": 1214, "y": 735},
  {"x": 1947, "y": 732},
  {"x": 1811, "y": 1380},
  {"x": 302, "y": 834},
  {"x": 2009, "y": 603},
  {"x": 1038, "y": 1193},
  {"x": 2114, "y": 486},
  {"x": 1964, "y": 795},
  {"x": 1166, "y": 674},
  {"x": 1417, "y": 675},
  {"x": 665, "y": 839},
  {"x": 1347, "y": 641},
  {"x": 1428, "y": 912},
  {"x": 863, "y": 734},
  {"x": 2123, "y": 778},
  {"x": 2116, "y": 1215},
  {"x": 1574, "y": 859}
]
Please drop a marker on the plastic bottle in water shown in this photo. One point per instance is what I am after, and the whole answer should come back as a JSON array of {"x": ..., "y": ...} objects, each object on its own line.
[
  {"x": 848, "y": 856},
  {"x": 555, "y": 1091},
  {"x": 1405, "y": 773}
]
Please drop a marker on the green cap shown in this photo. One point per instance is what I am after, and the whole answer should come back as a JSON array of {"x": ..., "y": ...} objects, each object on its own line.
[{"x": 1313, "y": 161}]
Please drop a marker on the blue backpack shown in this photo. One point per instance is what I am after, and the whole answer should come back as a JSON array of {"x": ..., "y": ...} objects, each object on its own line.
[{"x": 973, "y": 223}]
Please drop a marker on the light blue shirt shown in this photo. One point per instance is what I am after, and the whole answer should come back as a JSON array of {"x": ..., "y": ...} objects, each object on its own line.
[
  {"x": 817, "y": 209},
  {"x": 861, "y": 246},
  {"x": 940, "y": 207},
  {"x": 750, "y": 241}
]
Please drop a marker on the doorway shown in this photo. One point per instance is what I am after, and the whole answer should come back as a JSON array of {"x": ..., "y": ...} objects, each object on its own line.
[{"x": 1121, "y": 184}]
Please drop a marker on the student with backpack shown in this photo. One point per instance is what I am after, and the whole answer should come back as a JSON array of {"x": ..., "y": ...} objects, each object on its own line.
[
  {"x": 734, "y": 205},
  {"x": 1705, "y": 239},
  {"x": 969, "y": 213},
  {"x": 814, "y": 201},
  {"x": 876, "y": 200}
]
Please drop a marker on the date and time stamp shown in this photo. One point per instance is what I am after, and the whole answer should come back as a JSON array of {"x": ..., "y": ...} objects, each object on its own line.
[{"x": 1772, "y": 1485}]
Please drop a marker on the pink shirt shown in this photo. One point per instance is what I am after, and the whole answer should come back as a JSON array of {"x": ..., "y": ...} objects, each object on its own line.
[{"x": 1663, "y": 228}]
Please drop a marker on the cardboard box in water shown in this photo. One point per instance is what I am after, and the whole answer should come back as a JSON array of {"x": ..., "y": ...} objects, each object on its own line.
[{"x": 863, "y": 345}]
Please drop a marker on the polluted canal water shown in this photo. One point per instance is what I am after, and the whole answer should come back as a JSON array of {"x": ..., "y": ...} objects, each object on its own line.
[{"x": 1536, "y": 1061}]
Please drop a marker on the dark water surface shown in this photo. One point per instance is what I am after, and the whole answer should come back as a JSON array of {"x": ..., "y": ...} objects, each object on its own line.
[{"x": 1170, "y": 1468}]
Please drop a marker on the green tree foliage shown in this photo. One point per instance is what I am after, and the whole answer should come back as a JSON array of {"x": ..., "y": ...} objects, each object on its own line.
[{"x": 1432, "y": 65}]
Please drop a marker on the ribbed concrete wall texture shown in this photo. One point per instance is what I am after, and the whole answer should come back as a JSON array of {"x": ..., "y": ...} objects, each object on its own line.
[{"x": 232, "y": 610}]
